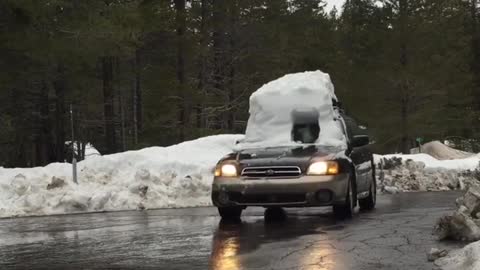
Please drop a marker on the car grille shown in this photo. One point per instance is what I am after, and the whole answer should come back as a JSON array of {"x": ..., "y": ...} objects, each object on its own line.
[{"x": 272, "y": 172}]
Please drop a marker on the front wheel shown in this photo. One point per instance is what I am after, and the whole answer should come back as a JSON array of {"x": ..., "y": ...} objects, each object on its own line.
[
  {"x": 345, "y": 210},
  {"x": 230, "y": 213},
  {"x": 369, "y": 202}
]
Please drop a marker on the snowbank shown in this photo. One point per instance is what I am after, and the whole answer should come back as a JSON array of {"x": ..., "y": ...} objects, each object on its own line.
[
  {"x": 441, "y": 151},
  {"x": 273, "y": 106},
  {"x": 430, "y": 162},
  {"x": 467, "y": 258},
  {"x": 91, "y": 151},
  {"x": 422, "y": 173},
  {"x": 157, "y": 177},
  {"x": 463, "y": 225},
  {"x": 175, "y": 176}
]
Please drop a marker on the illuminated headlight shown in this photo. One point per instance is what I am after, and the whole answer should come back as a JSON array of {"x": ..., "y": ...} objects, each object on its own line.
[
  {"x": 323, "y": 168},
  {"x": 226, "y": 170}
]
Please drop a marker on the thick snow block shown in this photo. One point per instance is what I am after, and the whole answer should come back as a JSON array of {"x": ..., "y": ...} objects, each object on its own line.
[
  {"x": 293, "y": 99},
  {"x": 464, "y": 223}
]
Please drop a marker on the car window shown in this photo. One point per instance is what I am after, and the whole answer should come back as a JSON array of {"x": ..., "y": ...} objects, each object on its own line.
[
  {"x": 353, "y": 129},
  {"x": 306, "y": 133}
]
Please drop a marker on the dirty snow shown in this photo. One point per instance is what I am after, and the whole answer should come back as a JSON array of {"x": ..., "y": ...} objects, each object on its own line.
[
  {"x": 430, "y": 162},
  {"x": 467, "y": 258},
  {"x": 462, "y": 225},
  {"x": 273, "y": 105},
  {"x": 156, "y": 177},
  {"x": 399, "y": 173}
]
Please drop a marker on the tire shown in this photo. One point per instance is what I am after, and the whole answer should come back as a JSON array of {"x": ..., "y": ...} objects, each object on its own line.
[
  {"x": 345, "y": 210},
  {"x": 369, "y": 202},
  {"x": 230, "y": 213}
]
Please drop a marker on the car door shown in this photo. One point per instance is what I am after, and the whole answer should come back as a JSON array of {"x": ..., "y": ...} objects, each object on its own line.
[{"x": 360, "y": 153}]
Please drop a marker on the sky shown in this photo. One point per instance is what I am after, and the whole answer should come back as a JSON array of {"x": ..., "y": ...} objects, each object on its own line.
[{"x": 337, "y": 3}]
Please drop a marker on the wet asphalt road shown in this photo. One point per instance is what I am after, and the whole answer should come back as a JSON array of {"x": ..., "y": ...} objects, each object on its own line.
[{"x": 395, "y": 236}]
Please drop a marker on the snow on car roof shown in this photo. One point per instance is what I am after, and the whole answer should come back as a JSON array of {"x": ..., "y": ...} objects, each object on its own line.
[{"x": 272, "y": 107}]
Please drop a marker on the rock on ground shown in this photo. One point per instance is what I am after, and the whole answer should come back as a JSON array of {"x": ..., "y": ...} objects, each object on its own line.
[
  {"x": 436, "y": 253},
  {"x": 56, "y": 183}
]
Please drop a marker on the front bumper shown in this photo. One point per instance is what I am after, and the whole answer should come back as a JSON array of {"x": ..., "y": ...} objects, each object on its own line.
[{"x": 292, "y": 192}]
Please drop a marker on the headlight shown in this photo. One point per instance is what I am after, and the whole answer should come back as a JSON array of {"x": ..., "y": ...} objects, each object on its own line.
[
  {"x": 323, "y": 168},
  {"x": 226, "y": 170}
]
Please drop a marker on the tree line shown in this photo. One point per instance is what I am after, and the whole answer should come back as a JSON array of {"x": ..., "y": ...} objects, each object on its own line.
[{"x": 137, "y": 73}]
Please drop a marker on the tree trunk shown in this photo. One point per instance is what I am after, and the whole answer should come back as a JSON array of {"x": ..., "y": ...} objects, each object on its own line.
[
  {"x": 138, "y": 92},
  {"x": 405, "y": 137},
  {"x": 21, "y": 157},
  {"x": 42, "y": 134},
  {"x": 60, "y": 88},
  {"x": 234, "y": 13},
  {"x": 183, "y": 110},
  {"x": 199, "y": 107},
  {"x": 108, "y": 99},
  {"x": 475, "y": 64},
  {"x": 122, "y": 123},
  {"x": 219, "y": 50},
  {"x": 404, "y": 87}
]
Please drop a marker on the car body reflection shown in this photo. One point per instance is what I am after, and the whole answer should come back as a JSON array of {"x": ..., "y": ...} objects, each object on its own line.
[
  {"x": 234, "y": 244},
  {"x": 224, "y": 254}
]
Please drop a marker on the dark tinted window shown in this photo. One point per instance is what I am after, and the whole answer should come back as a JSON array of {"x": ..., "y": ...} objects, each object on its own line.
[{"x": 353, "y": 128}]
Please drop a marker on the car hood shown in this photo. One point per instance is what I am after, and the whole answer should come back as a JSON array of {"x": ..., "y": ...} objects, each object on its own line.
[{"x": 285, "y": 156}]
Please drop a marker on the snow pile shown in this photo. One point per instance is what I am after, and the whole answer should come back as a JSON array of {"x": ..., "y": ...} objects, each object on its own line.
[
  {"x": 464, "y": 223},
  {"x": 467, "y": 258},
  {"x": 91, "y": 151},
  {"x": 273, "y": 108},
  {"x": 430, "y": 162},
  {"x": 398, "y": 173},
  {"x": 441, "y": 151},
  {"x": 439, "y": 170},
  {"x": 157, "y": 177}
]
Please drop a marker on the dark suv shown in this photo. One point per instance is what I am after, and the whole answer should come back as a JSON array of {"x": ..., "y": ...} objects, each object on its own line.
[{"x": 299, "y": 176}]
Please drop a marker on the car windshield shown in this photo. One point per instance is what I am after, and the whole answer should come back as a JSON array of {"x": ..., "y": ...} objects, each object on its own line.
[{"x": 305, "y": 133}]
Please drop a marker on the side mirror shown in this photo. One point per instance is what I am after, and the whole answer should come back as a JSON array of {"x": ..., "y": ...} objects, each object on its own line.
[{"x": 360, "y": 140}]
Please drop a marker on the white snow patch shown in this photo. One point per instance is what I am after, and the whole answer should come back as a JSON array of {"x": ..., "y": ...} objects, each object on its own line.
[
  {"x": 156, "y": 177},
  {"x": 400, "y": 173},
  {"x": 273, "y": 105},
  {"x": 90, "y": 151},
  {"x": 469, "y": 163},
  {"x": 442, "y": 151},
  {"x": 464, "y": 259}
]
